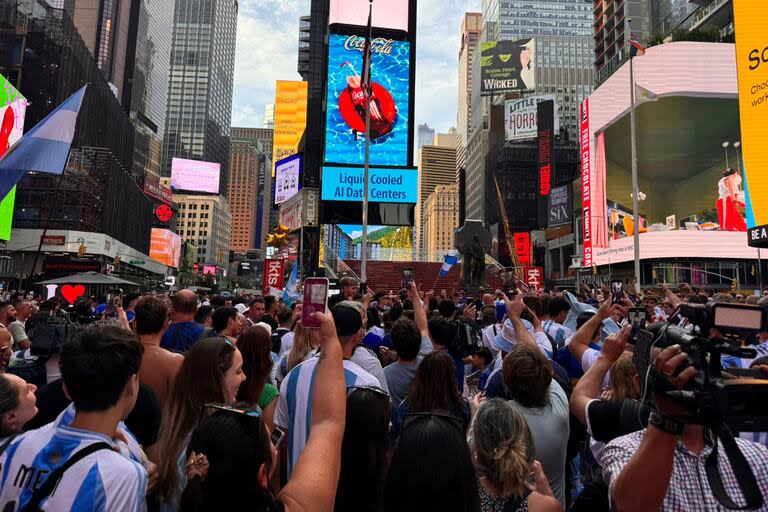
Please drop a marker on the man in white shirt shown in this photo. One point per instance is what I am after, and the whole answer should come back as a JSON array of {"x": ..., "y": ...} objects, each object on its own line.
[{"x": 100, "y": 371}]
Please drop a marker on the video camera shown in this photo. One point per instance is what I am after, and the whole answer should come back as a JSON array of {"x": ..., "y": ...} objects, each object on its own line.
[{"x": 725, "y": 401}]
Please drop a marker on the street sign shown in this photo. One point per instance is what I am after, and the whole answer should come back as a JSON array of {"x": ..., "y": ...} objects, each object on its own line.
[{"x": 137, "y": 262}]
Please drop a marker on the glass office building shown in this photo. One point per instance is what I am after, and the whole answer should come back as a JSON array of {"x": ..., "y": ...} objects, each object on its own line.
[{"x": 200, "y": 90}]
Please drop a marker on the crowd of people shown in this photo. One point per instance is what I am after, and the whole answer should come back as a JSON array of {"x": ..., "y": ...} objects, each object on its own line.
[{"x": 399, "y": 401}]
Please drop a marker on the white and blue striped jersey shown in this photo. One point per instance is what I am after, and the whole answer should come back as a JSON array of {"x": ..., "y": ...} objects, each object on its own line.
[
  {"x": 737, "y": 362},
  {"x": 103, "y": 481},
  {"x": 557, "y": 332},
  {"x": 294, "y": 406}
]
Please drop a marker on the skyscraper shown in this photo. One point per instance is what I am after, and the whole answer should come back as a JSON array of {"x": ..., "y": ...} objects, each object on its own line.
[
  {"x": 425, "y": 136},
  {"x": 471, "y": 28},
  {"x": 246, "y": 156},
  {"x": 441, "y": 218},
  {"x": 202, "y": 71},
  {"x": 437, "y": 166},
  {"x": 610, "y": 20}
]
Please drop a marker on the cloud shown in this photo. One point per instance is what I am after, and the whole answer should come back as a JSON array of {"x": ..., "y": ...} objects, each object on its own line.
[{"x": 267, "y": 41}]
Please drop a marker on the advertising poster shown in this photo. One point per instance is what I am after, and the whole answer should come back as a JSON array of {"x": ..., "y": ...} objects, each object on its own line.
[
  {"x": 520, "y": 117},
  {"x": 13, "y": 106},
  {"x": 522, "y": 243},
  {"x": 384, "y": 185},
  {"x": 195, "y": 176},
  {"x": 287, "y": 178},
  {"x": 165, "y": 247},
  {"x": 345, "y": 116},
  {"x": 290, "y": 118},
  {"x": 392, "y": 14},
  {"x": 586, "y": 182},
  {"x": 752, "y": 70},
  {"x": 560, "y": 206},
  {"x": 507, "y": 66}
]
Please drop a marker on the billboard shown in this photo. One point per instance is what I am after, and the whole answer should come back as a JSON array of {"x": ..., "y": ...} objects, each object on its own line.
[
  {"x": 520, "y": 117},
  {"x": 345, "y": 100},
  {"x": 392, "y": 14},
  {"x": 13, "y": 106},
  {"x": 165, "y": 247},
  {"x": 195, "y": 176},
  {"x": 290, "y": 119},
  {"x": 586, "y": 181},
  {"x": 560, "y": 206},
  {"x": 287, "y": 178},
  {"x": 752, "y": 69},
  {"x": 384, "y": 185},
  {"x": 507, "y": 66}
]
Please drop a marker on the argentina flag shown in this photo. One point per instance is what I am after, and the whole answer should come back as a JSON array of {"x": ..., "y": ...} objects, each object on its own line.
[
  {"x": 45, "y": 148},
  {"x": 448, "y": 262}
]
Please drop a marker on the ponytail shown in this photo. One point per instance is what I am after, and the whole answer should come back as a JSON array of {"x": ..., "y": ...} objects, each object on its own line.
[{"x": 512, "y": 465}]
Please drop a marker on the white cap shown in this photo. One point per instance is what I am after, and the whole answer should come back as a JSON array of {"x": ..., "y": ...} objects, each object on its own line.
[
  {"x": 241, "y": 308},
  {"x": 265, "y": 326}
]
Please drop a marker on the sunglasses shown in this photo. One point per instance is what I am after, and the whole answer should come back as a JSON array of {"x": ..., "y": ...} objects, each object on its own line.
[
  {"x": 416, "y": 416},
  {"x": 373, "y": 389}
]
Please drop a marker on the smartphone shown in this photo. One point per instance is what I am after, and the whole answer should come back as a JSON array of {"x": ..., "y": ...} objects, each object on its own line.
[
  {"x": 278, "y": 434},
  {"x": 407, "y": 276},
  {"x": 617, "y": 291},
  {"x": 637, "y": 318},
  {"x": 363, "y": 289},
  {"x": 315, "y": 299},
  {"x": 511, "y": 286}
]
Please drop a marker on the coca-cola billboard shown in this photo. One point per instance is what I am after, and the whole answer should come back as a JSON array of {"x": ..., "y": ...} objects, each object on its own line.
[{"x": 389, "y": 105}]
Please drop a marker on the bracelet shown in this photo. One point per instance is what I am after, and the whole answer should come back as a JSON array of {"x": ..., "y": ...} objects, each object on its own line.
[{"x": 666, "y": 424}]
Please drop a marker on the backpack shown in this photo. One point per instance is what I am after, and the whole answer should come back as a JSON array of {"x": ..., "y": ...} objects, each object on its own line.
[
  {"x": 277, "y": 336},
  {"x": 48, "y": 333},
  {"x": 31, "y": 370}
]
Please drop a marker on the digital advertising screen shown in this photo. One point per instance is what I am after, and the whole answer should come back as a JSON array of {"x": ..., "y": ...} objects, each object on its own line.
[
  {"x": 210, "y": 269},
  {"x": 165, "y": 247},
  {"x": 392, "y": 14},
  {"x": 195, "y": 176},
  {"x": 507, "y": 66},
  {"x": 389, "y": 107},
  {"x": 287, "y": 178},
  {"x": 13, "y": 106},
  {"x": 384, "y": 185},
  {"x": 290, "y": 119}
]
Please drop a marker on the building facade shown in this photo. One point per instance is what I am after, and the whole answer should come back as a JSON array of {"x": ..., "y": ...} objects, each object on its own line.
[
  {"x": 471, "y": 29},
  {"x": 205, "y": 221},
  {"x": 200, "y": 95},
  {"x": 441, "y": 218},
  {"x": 610, "y": 31},
  {"x": 437, "y": 166},
  {"x": 246, "y": 155},
  {"x": 425, "y": 136}
]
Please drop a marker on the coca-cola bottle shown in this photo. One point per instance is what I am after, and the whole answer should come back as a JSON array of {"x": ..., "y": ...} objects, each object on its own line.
[{"x": 379, "y": 123}]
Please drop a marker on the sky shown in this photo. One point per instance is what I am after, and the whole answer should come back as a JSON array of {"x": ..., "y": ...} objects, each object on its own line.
[{"x": 267, "y": 42}]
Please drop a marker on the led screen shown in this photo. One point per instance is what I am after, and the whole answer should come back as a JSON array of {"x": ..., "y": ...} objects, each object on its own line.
[
  {"x": 287, "y": 178},
  {"x": 165, "y": 247},
  {"x": 392, "y": 14},
  {"x": 195, "y": 176},
  {"x": 384, "y": 185},
  {"x": 13, "y": 106},
  {"x": 345, "y": 117}
]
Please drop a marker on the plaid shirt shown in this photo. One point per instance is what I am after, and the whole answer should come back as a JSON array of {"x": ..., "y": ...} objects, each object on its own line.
[{"x": 689, "y": 488}]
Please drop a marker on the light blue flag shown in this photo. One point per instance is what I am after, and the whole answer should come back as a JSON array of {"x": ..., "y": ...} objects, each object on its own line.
[
  {"x": 290, "y": 295},
  {"x": 45, "y": 147},
  {"x": 448, "y": 262}
]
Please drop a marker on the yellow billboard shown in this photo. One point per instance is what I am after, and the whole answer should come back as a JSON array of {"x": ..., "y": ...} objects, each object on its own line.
[
  {"x": 752, "y": 65},
  {"x": 290, "y": 119}
]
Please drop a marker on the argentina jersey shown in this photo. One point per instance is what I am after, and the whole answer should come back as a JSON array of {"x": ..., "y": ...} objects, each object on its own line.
[
  {"x": 294, "y": 406},
  {"x": 102, "y": 481},
  {"x": 737, "y": 362},
  {"x": 557, "y": 332}
]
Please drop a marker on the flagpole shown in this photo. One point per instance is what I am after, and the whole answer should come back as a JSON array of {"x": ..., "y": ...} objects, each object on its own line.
[
  {"x": 633, "y": 134},
  {"x": 367, "y": 74}
]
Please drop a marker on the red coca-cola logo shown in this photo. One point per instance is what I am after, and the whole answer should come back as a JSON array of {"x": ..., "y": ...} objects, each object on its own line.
[
  {"x": 164, "y": 213},
  {"x": 352, "y": 108}
]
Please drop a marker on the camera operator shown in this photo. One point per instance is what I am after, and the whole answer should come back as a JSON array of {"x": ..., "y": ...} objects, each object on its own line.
[{"x": 669, "y": 457}]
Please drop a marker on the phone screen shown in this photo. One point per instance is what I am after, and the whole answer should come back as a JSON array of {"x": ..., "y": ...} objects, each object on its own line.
[
  {"x": 315, "y": 300},
  {"x": 636, "y": 318},
  {"x": 407, "y": 276},
  {"x": 277, "y": 436},
  {"x": 617, "y": 291}
]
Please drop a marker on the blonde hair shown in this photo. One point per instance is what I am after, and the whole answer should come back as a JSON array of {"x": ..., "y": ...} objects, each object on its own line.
[
  {"x": 623, "y": 373},
  {"x": 503, "y": 446},
  {"x": 302, "y": 346}
]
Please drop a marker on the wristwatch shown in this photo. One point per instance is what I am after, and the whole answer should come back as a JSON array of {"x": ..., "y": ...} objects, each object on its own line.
[{"x": 666, "y": 424}]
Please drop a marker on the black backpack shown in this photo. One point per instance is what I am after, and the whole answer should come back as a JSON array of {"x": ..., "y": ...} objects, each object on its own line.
[
  {"x": 31, "y": 370},
  {"x": 48, "y": 333},
  {"x": 277, "y": 336}
]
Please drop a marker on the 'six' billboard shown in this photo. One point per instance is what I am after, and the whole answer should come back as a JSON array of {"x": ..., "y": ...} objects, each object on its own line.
[
  {"x": 390, "y": 104},
  {"x": 507, "y": 66}
]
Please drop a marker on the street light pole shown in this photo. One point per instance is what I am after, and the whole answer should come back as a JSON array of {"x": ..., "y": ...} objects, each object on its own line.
[
  {"x": 635, "y": 189},
  {"x": 725, "y": 146}
]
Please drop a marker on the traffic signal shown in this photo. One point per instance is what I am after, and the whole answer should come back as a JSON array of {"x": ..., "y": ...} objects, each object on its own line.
[{"x": 81, "y": 251}]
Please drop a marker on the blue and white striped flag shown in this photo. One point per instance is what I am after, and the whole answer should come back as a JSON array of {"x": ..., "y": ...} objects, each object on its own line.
[
  {"x": 44, "y": 148},
  {"x": 448, "y": 262}
]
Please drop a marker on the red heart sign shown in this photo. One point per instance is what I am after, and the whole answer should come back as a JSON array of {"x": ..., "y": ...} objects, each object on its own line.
[{"x": 72, "y": 293}]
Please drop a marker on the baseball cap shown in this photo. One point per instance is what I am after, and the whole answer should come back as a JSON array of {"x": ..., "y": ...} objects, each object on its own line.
[
  {"x": 265, "y": 326},
  {"x": 241, "y": 308},
  {"x": 506, "y": 339},
  {"x": 348, "y": 320}
]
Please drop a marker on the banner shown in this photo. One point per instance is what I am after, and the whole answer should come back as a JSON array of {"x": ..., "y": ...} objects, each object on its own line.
[
  {"x": 273, "y": 275},
  {"x": 752, "y": 68},
  {"x": 585, "y": 181},
  {"x": 507, "y": 66},
  {"x": 545, "y": 113},
  {"x": 290, "y": 119},
  {"x": 560, "y": 206},
  {"x": 522, "y": 243},
  {"x": 534, "y": 277},
  {"x": 520, "y": 117}
]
